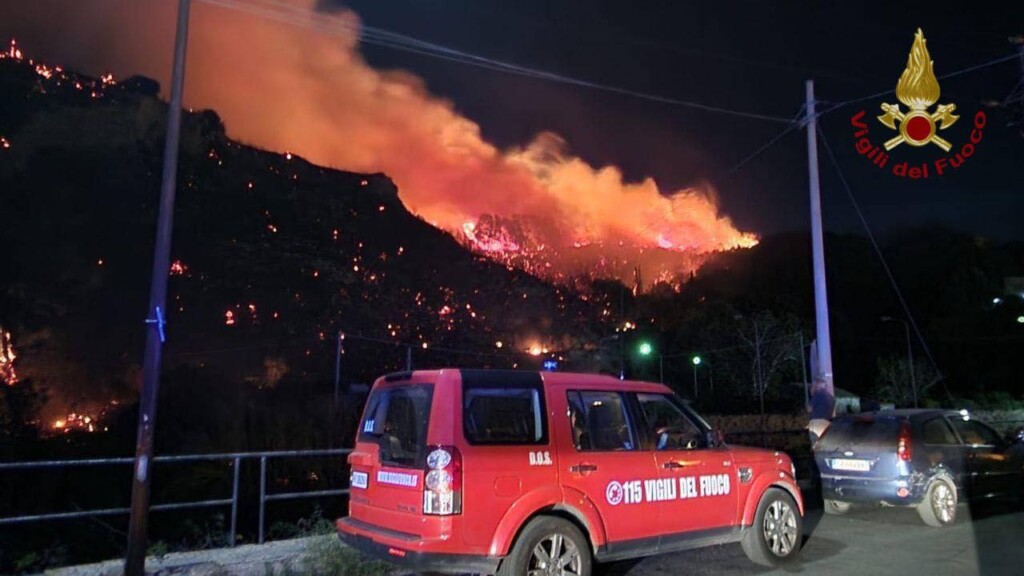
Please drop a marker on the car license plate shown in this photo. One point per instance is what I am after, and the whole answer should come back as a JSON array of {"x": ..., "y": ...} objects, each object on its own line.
[
  {"x": 851, "y": 465},
  {"x": 359, "y": 480}
]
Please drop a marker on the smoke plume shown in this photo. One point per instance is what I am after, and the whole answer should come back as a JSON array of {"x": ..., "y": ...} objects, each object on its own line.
[{"x": 299, "y": 87}]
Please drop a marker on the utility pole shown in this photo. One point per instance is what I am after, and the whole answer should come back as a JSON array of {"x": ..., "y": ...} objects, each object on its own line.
[
  {"x": 818, "y": 248},
  {"x": 803, "y": 371},
  {"x": 337, "y": 366},
  {"x": 135, "y": 560},
  {"x": 408, "y": 358}
]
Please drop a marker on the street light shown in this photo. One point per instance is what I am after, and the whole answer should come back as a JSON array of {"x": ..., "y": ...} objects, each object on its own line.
[
  {"x": 910, "y": 353},
  {"x": 696, "y": 362},
  {"x": 646, "y": 349}
]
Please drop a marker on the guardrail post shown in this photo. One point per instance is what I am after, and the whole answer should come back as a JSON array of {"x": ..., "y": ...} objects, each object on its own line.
[
  {"x": 234, "y": 503},
  {"x": 263, "y": 493}
]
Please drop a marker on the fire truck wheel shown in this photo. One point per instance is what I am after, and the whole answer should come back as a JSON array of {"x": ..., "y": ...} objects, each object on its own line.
[
  {"x": 777, "y": 532},
  {"x": 548, "y": 545}
]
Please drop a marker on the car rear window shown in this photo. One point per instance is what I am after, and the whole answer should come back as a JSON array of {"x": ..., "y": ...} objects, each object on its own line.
[
  {"x": 860, "y": 430},
  {"x": 503, "y": 415},
  {"x": 938, "y": 432},
  {"x": 396, "y": 420}
]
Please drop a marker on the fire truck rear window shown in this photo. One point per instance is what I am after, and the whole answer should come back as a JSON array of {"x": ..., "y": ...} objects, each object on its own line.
[
  {"x": 396, "y": 420},
  {"x": 503, "y": 416}
]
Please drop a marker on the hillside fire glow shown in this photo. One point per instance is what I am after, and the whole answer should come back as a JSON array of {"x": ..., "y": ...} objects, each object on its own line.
[
  {"x": 7, "y": 357},
  {"x": 306, "y": 89}
]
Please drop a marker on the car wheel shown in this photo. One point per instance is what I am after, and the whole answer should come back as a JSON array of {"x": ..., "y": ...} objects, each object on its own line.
[
  {"x": 550, "y": 546},
  {"x": 938, "y": 509},
  {"x": 837, "y": 507},
  {"x": 777, "y": 532}
]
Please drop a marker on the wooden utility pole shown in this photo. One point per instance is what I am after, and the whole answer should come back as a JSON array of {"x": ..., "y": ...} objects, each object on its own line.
[{"x": 135, "y": 560}]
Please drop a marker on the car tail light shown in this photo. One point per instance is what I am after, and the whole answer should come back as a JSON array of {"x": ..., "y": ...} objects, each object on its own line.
[
  {"x": 442, "y": 484},
  {"x": 903, "y": 449}
]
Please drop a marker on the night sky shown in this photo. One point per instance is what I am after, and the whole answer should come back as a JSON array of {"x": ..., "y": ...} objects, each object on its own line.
[{"x": 749, "y": 56}]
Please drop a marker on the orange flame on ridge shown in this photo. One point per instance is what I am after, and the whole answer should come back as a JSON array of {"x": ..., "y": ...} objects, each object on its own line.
[{"x": 314, "y": 95}]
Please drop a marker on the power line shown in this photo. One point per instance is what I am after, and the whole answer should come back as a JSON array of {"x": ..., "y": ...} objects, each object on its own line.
[
  {"x": 987, "y": 64},
  {"x": 376, "y": 36},
  {"x": 878, "y": 251}
]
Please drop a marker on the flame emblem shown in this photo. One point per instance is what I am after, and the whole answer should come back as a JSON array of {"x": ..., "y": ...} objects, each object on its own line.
[{"x": 918, "y": 89}]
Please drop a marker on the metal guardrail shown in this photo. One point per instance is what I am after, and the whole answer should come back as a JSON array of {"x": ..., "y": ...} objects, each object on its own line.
[{"x": 235, "y": 457}]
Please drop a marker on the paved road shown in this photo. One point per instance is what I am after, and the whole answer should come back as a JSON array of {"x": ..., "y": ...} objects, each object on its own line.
[{"x": 984, "y": 541}]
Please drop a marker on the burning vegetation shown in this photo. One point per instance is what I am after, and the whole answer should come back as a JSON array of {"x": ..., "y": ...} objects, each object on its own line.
[
  {"x": 305, "y": 252},
  {"x": 8, "y": 375},
  {"x": 306, "y": 89}
]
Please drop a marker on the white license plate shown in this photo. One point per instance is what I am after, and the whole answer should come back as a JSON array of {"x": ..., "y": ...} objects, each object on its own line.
[
  {"x": 851, "y": 465},
  {"x": 359, "y": 480}
]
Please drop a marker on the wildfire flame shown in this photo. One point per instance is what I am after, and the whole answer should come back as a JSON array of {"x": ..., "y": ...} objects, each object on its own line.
[
  {"x": 917, "y": 87},
  {"x": 7, "y": 356},
  {"x": 78, "y": 422},
  {"x": 535, "y": 206}
]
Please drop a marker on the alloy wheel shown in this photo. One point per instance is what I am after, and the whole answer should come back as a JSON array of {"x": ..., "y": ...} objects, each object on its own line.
[
  {"x": 780, "y": 529},
  {"x": 555, "y": 555},
  {"x": 943, "y": 502}
]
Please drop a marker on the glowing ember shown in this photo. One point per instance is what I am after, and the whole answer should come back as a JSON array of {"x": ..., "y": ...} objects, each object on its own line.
[
  {"x": 229, "y": 318},
  {"x": 78, "y": 422},
  {"x": 7, "y": 356},
  {"x": 4, "y": 143},
  {"x": 178, "y": 269},
  {"x": 535, "y": 350},
  {"x": 12, "y": 51}
]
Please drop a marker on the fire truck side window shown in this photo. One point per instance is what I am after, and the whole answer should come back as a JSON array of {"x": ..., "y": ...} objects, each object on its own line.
[
  {"x": 599, "y": 422},
  {"x": 667, "y": 425}
]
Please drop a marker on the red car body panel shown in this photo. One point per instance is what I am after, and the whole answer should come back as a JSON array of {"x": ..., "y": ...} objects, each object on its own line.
[{"x": 632, "y": 495}]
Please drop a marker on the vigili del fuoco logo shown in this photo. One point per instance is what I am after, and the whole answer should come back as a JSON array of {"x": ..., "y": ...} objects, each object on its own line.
[{"x": 917, "y": 125}]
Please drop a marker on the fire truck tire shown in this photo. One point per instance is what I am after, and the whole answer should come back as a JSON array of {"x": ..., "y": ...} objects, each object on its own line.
[
  {"x": 548, "y": 540},
  {"x": 777, "y": 533}
]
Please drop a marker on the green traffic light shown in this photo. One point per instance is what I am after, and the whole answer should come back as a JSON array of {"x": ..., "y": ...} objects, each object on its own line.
[
  {"x": 646, "y": 349},
  {"x": 696, "y": 360}
]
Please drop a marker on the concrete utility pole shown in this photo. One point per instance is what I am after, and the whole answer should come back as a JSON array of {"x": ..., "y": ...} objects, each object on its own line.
[
  {"x": 818, "y": 248},
  {"x": 135, "y": 560}
]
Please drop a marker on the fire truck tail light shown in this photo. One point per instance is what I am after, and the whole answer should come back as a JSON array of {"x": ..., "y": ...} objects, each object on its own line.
[{"x": 442, "y": 486}]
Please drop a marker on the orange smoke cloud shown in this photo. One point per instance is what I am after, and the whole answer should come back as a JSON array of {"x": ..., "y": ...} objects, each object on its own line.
[{"x": 287, "y": 86}]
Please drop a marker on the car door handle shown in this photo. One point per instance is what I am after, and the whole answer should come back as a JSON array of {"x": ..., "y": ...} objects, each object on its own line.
[
  {"x": 673, "y": 465},
  {"x": 580, "y": 468}
]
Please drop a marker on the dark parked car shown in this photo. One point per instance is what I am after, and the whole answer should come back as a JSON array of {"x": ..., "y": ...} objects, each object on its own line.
[{"x": 930, "y": 459}]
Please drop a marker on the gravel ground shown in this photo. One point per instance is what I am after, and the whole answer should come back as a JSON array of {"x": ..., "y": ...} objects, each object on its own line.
[{"x": 247, "y": 560}]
